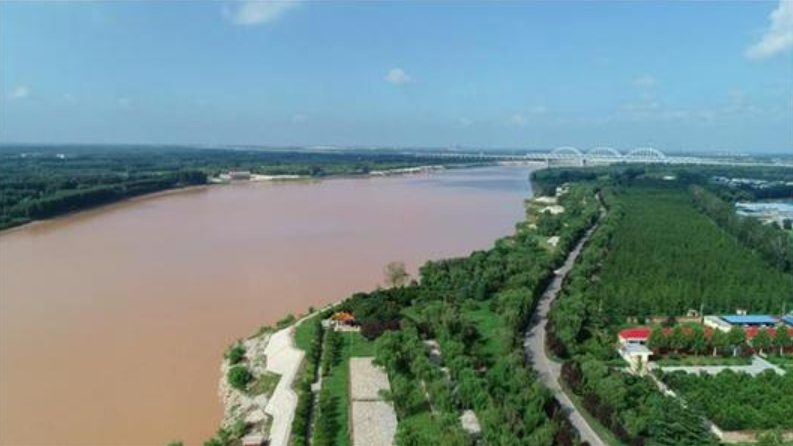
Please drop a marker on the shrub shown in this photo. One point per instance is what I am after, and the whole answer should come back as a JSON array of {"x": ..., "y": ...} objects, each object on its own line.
[
  {"x": 236, "y": 353},
  {"x": 239, "y": 377},
  {"x": 285, "y": 322}
]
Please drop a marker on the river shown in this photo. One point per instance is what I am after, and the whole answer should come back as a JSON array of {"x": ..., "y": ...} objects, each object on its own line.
[{"x": 113, "y": 321}]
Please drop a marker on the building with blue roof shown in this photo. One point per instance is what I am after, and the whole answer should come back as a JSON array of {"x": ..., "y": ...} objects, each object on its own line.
[
  {"x": 751, "y": 320},
  {"x": 788, "y": 319}
]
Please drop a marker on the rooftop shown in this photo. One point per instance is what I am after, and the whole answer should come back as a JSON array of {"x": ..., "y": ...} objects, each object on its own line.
[
  {"x": 788, "y": 319},
  {"x": 750, "y": 319},
  {"x": 635, "y": 333},
  {"x": 343, "y": 316}
]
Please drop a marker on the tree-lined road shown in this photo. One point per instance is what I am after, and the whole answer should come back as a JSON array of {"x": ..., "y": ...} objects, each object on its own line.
[{"x": 534, "y": 346}]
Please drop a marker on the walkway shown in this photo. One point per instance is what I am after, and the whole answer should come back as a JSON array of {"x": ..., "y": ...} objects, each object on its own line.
[
  {"x": 758, "y": 366},
  {"x": 284, "y": 359},
  {"x": 534, "y": 346},
  {"x": 373, "y": 420}
]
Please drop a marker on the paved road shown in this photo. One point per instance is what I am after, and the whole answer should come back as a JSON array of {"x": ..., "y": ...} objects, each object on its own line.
[{"x": 534, "y": 346}]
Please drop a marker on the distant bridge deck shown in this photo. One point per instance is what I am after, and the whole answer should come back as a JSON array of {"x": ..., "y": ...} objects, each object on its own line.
[{"x": 572, "y": 157}]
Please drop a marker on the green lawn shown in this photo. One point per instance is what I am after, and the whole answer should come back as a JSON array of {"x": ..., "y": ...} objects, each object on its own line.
[
  {"x": 786, "y": 362},
  {"x": 423, "y": 424},
  {"x": 265, "y": 384},
  {"x": 336, "y": 385},
  {"x": 702, "y": 361},
  {"x": 489, "y": 325},
  {"x": 305, "y": 332}
]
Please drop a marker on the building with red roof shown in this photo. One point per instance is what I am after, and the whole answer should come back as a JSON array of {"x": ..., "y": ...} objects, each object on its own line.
[{"x": 638, "y": 335}]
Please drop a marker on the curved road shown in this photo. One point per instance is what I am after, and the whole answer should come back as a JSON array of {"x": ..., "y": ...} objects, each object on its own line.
[{"x": 534, "y": 346}]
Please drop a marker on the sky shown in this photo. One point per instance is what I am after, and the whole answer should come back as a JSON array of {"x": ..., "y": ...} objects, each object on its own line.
[{"x": 682, "y": 75}]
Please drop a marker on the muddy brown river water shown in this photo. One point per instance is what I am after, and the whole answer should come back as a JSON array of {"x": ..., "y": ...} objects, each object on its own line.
[{"x": 113, "y": 321}]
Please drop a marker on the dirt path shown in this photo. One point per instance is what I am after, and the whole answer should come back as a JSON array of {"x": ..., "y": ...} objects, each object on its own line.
[{"x": 534, "y": 346}]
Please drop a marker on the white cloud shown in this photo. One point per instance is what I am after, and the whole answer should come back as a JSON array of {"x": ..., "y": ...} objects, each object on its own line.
[
  {"x": 518, "y": 120},
  {"x": 522, "y": 119},
  {"x": 256, "y": 12},
  {"x": 778, "y": 38},
  {"x": 645, "y": 82},
  {"x": 20, "y": 92},
  {"x": 398, "y": 76},
  {"x": 465, "y": 122}
]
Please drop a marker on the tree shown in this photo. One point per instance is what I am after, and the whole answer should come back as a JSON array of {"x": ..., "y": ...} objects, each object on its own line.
[
  {"x": 239, "y": 377},
  {"x": 736, "y": 338},
  {"x": 762, "y": 340},
  {"x": 718, "y": 341},
  {"x": 679, "y": 340},
  {"x": 698, "y": 342},
  {"x": 396, "y": 275},
  {"x": 782, "y": 340},
  {"x": 658, "y": 340},
  {"x": 236, "y": 354}
]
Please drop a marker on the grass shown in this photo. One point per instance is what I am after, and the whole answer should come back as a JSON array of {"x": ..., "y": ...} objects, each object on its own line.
[
  {"x": 337, "y": 384},
  {"x": 786, "y": 362},
  {"x": 489, "y": 325},
  {"x": 265, "y": 384},
  {"x": 305, "y": 332},
  {"x": 423, "y": 424},
  {"x": 703, "y": 361}
]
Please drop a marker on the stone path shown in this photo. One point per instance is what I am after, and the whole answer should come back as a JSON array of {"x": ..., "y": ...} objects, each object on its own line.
[{"x": 284, "y": 359}]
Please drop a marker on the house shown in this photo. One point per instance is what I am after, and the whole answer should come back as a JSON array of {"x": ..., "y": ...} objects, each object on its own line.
[
  {"x": 717, "y": 323},
  {"x": 638, "y": 335},
  {"x": 788, "y": 319},
  {"x": 344, "y": 321},
  {"x": 633, "y": 348},
  {"x": 750, "y": 320}
]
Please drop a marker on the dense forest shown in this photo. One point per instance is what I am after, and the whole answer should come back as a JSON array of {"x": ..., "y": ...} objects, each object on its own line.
[
  {"x": 42, "y": 182},
  {"x": 667, "y": 258},
  {"x": 769, "y": 240}
]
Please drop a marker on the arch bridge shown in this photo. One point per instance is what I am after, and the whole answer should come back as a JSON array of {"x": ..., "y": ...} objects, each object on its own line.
[{"x": 604, "y": 155}]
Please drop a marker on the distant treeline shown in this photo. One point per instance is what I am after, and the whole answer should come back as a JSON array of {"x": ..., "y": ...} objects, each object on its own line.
[
  {"x": 42, "y": 182},
  {"x": 769, "y": 240},
  {"x": 547, "y": 180}
]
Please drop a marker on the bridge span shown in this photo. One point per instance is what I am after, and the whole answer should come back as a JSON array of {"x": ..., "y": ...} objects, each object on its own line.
[{"x": 572, "y": 156}]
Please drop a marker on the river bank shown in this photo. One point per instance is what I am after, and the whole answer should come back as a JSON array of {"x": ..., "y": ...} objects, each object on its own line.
[
  {"x": 160, "y": 287},
  {"x": 255, "y": 178}
]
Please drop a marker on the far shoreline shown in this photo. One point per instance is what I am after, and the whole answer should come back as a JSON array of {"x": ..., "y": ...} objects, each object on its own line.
[{"x": 195, "y": 188}]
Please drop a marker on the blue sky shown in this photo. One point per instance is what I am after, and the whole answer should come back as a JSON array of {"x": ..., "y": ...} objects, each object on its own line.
[{"x": 674, "y": 75}]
